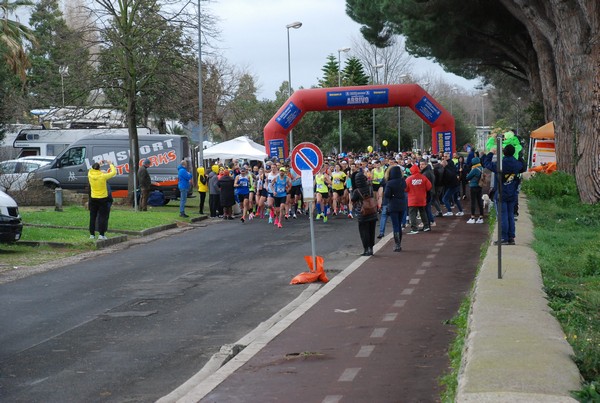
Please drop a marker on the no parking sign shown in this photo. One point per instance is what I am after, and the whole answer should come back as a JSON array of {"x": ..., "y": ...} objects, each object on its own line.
[{"x": 307, "y": 157}]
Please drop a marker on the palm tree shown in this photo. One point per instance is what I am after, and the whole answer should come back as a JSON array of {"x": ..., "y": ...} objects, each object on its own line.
[{"x": 12, "y": 35}]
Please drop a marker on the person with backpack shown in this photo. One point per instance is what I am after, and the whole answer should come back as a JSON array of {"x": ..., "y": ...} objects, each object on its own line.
[
  {"x": 509, "y": 180},
  {"x": 366, "y": 220},
  {"x": 473, "y": 178},
  {"x": 395, "y": 199}
]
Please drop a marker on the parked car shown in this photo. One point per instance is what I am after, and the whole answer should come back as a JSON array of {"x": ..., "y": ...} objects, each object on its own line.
[
  {"x": 14, "y": 174},
  {"x": 11, "y": 225},
  {"x": 42, "y": 158}
]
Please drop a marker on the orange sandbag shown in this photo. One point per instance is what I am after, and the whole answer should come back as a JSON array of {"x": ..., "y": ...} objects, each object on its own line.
[{"x": 312, "y": 275}]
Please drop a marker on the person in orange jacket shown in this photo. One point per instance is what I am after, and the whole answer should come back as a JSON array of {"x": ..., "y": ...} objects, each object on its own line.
[{"x": 417, "y": 186}]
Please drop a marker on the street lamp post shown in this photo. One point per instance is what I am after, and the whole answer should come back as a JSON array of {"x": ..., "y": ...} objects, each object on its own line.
[
  {"x": 376, "y": 67},
  {"x": 340, "y": 50},
  {"x": 294, "y": 25},
  {"x": 485, "y": 94},
  {"x": 200, "y": 125}
]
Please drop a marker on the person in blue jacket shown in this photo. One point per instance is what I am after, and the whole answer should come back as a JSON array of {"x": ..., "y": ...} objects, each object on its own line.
[
  {"x": 511, "y": 168},
  {"x": 184, "y": 177}
]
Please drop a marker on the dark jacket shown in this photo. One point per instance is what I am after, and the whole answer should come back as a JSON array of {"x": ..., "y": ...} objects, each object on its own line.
[
  {"x": 144, "y": 178},
  {"x": 511, "y": 167},
  {"x": 394, "y": 191},
  {"x": 227, "y": 191},
  {"x": 362, "y": 187},
  {"x": 449, "y": 179},
  {"x": 428, "y": 172}
]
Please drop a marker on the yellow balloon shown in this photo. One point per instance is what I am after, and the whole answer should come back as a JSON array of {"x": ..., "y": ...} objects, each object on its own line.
[
  {"x": 385, "y": 143},
  {"x": 370, "y": 148}
]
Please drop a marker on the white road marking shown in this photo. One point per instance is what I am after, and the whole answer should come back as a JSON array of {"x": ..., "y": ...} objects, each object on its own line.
[
  {"x": 426, "y": 264},
  {"x": 349, "y": 374},
  {"x": 414, "y": 281},
  {"x": 365, "y": 351},
  {"x": 420, "y": 272},
  {"x": 430, "y": 256},
  {"x": 440, "y": 244},
  {"x": 399, "y": 303},
  {"x": 407, "y": 291},
  {"x": 332, "y": 399},
  {"x": 379, "y": 332},
  {"x": 390, "y": 317},
  {"x": 435, "y": 250}
]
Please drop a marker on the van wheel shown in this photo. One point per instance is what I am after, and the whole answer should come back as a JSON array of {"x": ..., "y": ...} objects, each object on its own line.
[{"x": 166, "y": 202}]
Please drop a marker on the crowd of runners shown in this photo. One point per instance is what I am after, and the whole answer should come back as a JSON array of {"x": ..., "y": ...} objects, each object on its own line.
[{"x": 273, "y": 191}]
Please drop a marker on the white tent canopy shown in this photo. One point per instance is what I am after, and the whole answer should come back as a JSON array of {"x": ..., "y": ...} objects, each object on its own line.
[{"x": 239, "y": 147}]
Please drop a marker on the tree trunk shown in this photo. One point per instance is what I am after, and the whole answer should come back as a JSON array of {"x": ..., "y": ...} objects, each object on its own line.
[{"x": 564, "y": 34}]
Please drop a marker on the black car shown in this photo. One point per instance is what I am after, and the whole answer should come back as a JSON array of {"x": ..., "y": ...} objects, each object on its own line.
[{"x": 11, "y": 225}]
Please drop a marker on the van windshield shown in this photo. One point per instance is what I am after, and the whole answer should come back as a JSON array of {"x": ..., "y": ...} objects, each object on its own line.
[{"x": 73, "y": 156}]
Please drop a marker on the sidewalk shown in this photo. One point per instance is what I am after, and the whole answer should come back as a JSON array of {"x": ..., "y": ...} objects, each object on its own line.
[
  {"x": 387, "y": 343},
  {"x": 516, "y": 350}
]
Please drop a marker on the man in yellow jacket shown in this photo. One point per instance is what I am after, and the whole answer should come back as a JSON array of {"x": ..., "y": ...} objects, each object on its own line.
[{"x": 99, "y": 198}]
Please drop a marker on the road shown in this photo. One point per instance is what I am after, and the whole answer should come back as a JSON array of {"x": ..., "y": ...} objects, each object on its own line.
[{"x": 134, "y": 324}]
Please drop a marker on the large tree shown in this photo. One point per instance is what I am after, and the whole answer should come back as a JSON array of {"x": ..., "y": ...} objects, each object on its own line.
[
  {"x": 551, "y": 46},
  {"x": 60, "y": 50},
  {"x": 14, "y": 37}
]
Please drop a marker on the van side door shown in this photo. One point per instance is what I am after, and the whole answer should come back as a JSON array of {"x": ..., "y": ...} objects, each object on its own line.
[{"x": 70, "y": 169}]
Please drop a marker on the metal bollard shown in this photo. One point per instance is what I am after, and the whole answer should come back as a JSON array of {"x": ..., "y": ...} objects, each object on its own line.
[{"x": 58, "y": 199}]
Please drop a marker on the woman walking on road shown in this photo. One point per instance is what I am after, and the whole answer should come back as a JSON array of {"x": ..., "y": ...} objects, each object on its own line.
[
  {"x": 366, "y": 223},
  {"x": 394, "y": 197}
]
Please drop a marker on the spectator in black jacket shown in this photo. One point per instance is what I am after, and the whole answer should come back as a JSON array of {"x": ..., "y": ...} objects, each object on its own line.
[
  {"x": 452, "y": 186},
  {"x": 395, "y": 198},
  {"x": 366, "y": 224},
  {"x": 509, "y": 178}
]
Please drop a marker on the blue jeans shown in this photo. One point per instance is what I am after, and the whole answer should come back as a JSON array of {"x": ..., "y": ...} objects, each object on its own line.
[
  {"x": 182, "y": 199},
  {"x": 383, "y": 219},
  {"x": 429, "y": 213},
  {"x": 508, "y": 220},
  {"x": 397, "y": 217},
  {"x": 452, "y": 194}
]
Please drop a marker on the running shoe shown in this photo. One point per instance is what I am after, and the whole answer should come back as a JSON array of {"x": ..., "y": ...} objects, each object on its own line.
[
  {"x": 251, "y": 217},
  {"x": 92, "y": 237},
  {"x": 448, "y": 214},
  {"x": 426, "y": 229},
  {"x": 479, "y": 221},
  {"x": 279, "y": 225},
  {"x": 287, "y": 216},
  {"x": 277, "y": 222},
  {"x": 471, "y": 221},
  {"x": 319, "y": 216},
  {"x": 103, "y": 238},
  {"x": 242, "y": 220},
  {"x": 325, "y": 219},
  {"x": 350, "y": 215},
  {"x": 460, "y": 214},
  {"x": 334, "y": 212},
  {"x": 294, "y": 216},
  {"x": 270, "y": 220},
  {"x": 414, "y": 231}
]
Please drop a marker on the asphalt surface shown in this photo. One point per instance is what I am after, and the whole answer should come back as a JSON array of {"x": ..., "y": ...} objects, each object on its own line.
[
  {"x": 378, "y": 332},
  {"x": 132, "y": 323},
  {"x": 381, "y": 335}
]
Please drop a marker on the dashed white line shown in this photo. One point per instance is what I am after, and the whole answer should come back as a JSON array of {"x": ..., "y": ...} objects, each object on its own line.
[
  {"x": 420, "y": 272},
  {"x": 440, "y": 244},
  {"x": 435, "y": 250},
  {"x": 407, "y": 291},
  {"x": 426, "y": 264},
  {"x": 430, "y": 257},
  {"x": 443, "y": 238},
  {"x": 390, "y": 317},
  {"x": 349, "y": 374},
  {"x": 414, "y": 281},
  {"x": 378, "y": 332},
  {"x": 399, "y": 303},
  {"x": 365, "y": 351},
  {"x": 332, "y": 399}
]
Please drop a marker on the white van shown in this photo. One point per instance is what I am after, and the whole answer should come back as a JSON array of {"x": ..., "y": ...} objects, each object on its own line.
[
  {"x": 165, "y": 152},
  {"x": 11, "y": 225}
]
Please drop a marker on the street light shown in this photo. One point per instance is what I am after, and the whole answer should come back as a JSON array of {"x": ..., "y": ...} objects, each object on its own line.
[
  {"x": 340, "y": 50},
  {"x": 485, "y": 94},
  {"x": 425, "y": 84},
  {"x": 452, "y": 91},
  {"x": 294, "y": 25},
  {"x": 402, "y": 77},
  {"x": 63, "y": 71},
  {"x": 376, "y": 67}
]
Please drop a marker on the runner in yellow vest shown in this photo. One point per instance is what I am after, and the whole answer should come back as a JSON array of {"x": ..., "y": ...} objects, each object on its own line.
[
  {"x": 322, "y": 183},
  {"x": 376, "y": 179},
  {"x": 338, "y": 181}
]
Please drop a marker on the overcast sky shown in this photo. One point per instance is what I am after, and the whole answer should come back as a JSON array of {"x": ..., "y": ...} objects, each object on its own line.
[{"x": 254, "y": 36}]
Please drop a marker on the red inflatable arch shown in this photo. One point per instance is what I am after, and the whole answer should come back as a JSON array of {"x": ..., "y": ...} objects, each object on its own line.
[{"x": 443, "y": 138}]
